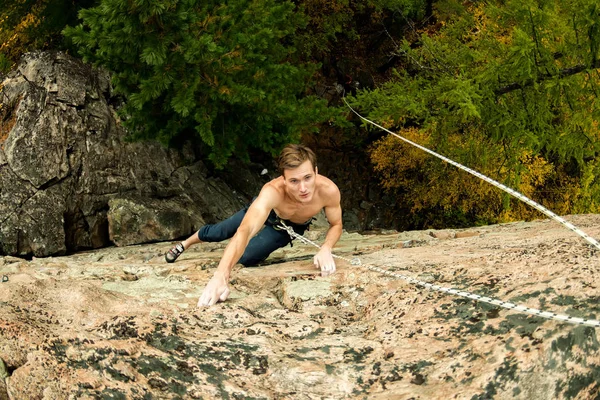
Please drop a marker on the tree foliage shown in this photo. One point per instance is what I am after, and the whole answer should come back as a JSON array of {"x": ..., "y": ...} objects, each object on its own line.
[
  {"x": 332, "y": 20},
  {"x": 224, "y": 72},
  {"x": 27, "y": 25},
  {"x": 509, "y": 88}
]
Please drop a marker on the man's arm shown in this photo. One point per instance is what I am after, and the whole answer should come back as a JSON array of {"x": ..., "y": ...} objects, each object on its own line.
[
  {"x": 333, "y": 211},
  {"x": 217, "y": 288}
]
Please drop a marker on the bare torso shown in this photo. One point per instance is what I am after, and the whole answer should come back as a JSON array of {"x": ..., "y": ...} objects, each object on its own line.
[{"x": 288, "y": 208}]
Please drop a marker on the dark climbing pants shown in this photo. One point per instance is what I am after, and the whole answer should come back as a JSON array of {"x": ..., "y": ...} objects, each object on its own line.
[{"x": 260, "y": 246}]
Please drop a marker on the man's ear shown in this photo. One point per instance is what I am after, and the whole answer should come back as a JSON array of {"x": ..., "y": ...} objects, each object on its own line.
[{"x": 316, "y": 170}]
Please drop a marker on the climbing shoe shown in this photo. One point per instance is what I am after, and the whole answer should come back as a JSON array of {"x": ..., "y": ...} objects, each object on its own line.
[{"x": 175, "y": 252}]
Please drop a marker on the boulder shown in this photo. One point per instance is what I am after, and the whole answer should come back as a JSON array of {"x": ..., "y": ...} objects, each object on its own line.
[
  {"x": 69, "y": 179},
  {"x": 142, "y": 220}
]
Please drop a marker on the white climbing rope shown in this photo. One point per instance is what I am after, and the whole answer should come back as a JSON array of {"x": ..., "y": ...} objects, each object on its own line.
[
  {"x": 476, "y": 297},
  {"x": 505, "y": 188},
  {"x": 504, "y": 304}
]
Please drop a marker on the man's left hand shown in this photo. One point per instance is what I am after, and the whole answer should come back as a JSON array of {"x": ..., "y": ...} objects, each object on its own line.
[{"x": 324, "y": 261}]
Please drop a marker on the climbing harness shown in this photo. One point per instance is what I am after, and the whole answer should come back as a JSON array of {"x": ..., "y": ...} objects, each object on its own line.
[{"x": 504, "y": 304}]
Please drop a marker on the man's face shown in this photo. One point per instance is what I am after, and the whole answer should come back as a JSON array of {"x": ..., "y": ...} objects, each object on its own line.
[{"x": 300, "y": 181}]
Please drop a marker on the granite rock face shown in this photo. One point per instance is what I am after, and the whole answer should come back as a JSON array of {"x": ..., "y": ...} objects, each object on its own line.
[
  {"x": 121, "y": 323},
  {"x": 68, "y": 177}
]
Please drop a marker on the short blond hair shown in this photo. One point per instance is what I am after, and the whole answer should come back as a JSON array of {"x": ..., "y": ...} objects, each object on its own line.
[{"x": 293, "y": 155}]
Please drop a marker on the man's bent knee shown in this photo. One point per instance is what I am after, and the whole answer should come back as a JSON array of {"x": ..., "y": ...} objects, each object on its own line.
[{"x": 251, "y": 261}]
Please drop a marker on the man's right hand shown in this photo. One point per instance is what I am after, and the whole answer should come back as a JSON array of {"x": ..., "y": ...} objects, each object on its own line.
[{"x": 216, "y": 290}]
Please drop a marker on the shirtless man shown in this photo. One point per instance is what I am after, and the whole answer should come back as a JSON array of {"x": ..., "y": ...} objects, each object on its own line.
[{"x": 295, "y": 197}]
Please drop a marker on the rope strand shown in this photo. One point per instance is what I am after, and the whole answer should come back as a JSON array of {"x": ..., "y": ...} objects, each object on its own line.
[
  {"x": 507, "y": 305},
  {"x": 505, "y": 188},
  {"x": 504, "y": 304},
  {"x": 476, "y": 297}
]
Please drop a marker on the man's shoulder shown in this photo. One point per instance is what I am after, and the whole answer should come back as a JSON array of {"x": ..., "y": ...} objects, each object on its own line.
[
  {"x": 273, "y": 189},
  {"x": 327, "y": 185},
  {"x": 274, "y": 184},
  {"x": 329, "y": 193}
]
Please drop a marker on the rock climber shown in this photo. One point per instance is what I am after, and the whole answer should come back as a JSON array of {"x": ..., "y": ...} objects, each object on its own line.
[{"x": 256, "y": 231}]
